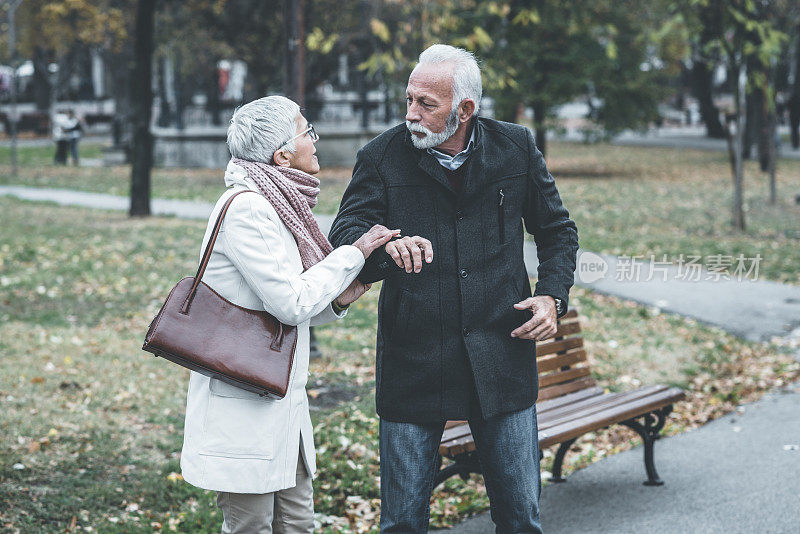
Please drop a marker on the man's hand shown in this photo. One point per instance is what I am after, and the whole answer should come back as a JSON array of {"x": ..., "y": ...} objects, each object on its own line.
[
  {"x": 352, "y": 293},
  {"x": 407, "y": 252},
  {"x": 543, "y": 323}
]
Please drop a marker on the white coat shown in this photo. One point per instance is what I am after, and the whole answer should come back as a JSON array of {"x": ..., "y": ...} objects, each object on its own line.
[{"x": 234, "y": 440}]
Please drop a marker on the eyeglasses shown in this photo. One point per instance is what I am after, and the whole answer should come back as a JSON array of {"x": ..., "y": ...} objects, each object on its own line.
[{"x": 310, "y": 130}]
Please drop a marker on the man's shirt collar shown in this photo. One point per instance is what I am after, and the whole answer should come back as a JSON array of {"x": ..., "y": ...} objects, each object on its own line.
[{"x": 454, "y": 162}]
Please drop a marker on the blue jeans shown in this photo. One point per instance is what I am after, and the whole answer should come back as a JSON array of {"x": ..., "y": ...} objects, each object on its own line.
[{"x": 508, "y": 450}]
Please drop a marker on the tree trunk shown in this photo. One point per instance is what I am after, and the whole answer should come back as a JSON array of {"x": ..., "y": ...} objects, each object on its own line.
[
  {"x": 539, "y": 112},
  {"x": 794, "y": 100},
  {"x": 294, "y": 82},
  {"x": 755, "y": 122},
  {"x": 794, "y": 117},
  {"x": 738, "y": 170},
  {"x": 702, "y": 80},
  {"x": 764, "y": 129},
  {"x": 212, "y": 92},
  {"x": 177, "y": 83},
  {"x": 41, "y": 80},
  {"x": 120, "y": 67},
  {"x": 164, "y": 114},
  {"x": 772, "y": 156},
  {"x": 142, "y": 153}
]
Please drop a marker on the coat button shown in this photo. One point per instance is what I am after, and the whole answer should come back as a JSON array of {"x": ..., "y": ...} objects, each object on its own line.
[
  {"x": 384, "y": 264},
  {"x": 466, "y": 332},
  {"x": 464, "y": 273}
]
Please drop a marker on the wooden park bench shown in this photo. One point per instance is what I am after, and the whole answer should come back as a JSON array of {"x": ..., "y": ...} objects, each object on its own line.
[{"x": 569, "y": 405}]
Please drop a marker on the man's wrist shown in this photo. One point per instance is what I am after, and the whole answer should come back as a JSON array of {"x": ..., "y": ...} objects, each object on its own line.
[
  {"x": 338, "y": 308},
  {"x": 559, "y": 306}
]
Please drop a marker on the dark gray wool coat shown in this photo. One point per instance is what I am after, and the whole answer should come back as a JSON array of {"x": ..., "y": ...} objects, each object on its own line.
[{"x": 444, "y": 333}]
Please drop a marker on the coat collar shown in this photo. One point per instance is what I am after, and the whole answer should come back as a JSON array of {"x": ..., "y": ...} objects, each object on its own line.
[
  {"x": 434, "y": 169},
  {"x": 237, "y": 175}
]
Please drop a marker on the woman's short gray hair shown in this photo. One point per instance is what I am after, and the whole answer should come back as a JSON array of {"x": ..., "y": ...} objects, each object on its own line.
[
  {"x": 261, "y": 127},
  {"x": 466, "y": 72}
]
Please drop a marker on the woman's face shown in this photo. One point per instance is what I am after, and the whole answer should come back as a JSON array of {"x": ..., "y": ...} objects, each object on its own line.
[{"x": 304, "y": 158}]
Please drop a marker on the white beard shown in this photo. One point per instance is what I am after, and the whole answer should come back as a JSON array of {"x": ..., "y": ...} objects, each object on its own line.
[{"x": 432, "y": 139}]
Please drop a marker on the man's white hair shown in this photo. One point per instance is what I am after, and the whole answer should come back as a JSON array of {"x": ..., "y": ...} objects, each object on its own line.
[
  {"x": 466, "y": 72},
  {"x": 261, "y": 127}
]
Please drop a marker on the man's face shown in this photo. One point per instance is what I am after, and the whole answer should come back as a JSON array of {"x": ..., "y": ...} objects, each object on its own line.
[{"x": 429, "y": 100}]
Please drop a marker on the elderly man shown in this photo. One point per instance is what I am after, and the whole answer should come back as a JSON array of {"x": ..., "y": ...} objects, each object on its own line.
[{"x": 457, "y": 324}]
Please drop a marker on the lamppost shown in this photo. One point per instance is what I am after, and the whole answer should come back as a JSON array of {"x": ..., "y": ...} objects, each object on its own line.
[{"x": 12, "y": 48}]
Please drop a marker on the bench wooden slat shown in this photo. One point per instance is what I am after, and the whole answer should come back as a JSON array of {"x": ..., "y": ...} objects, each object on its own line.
[
  {"x": 559, "y": 377},
  {"x": 567, "y": 387},
  {"x": 581, "y": 409},
  {"x": 458, "y": 446},
  {"x": 551, "y": 347},
  {"x": 568, "y": 329},
  {"x": 575, "y": 428},
  {"x": 569, "y": 398},
  {"x": 451, "y": 424},
  {"x": 456, "y": 432},
  {"x": 571, "y": 313},
  {"x": 557, "y": 361}
]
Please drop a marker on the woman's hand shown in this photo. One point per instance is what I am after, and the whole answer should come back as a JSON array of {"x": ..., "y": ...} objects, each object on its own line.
[
  {"x": 375, "y": 237},
  {"x": 352, "y": 293}
]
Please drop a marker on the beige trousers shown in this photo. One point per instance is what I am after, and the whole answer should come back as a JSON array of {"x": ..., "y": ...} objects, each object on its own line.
[{"x": 288, "y": 511}]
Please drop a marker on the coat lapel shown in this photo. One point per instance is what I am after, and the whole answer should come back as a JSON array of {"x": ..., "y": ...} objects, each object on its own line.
[
  {"x": 433, "y": 169},
  {"x": 472, "y": 179}
]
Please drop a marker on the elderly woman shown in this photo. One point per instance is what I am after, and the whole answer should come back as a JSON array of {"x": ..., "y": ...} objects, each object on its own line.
[{"x": 258, "y": 454}]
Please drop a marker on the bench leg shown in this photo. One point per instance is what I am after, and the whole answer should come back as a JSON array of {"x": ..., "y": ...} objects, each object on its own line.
[
  {"x": 558, "y": 461},
  {"x": 649, "y": 432},
  {"x": 463, "y": 466}
]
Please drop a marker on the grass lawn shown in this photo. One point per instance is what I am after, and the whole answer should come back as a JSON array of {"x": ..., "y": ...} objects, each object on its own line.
[
  {"x": 37, "y": 170},
  {"x": 659, "y": 201},
  {"x": 92, "y": 426},
  {"x": 646, "y": 202}
]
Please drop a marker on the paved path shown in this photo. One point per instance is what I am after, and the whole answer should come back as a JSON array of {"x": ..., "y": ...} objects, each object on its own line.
[
  {"x": 757, "y": 310},
  {"x": 47, "y": 141},
  {"x": 740, "y": 473},
  {"x": 693, "y": 137}
]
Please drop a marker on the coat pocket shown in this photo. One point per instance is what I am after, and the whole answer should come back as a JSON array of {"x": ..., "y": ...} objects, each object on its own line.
[
  {"x": 237, "y": 427},
  {"x": 501, "y": 215},
  {"x": 223, "y": 389}
]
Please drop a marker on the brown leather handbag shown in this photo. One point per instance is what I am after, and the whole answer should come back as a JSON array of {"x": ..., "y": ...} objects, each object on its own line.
[{"x": 200, "y": 330}]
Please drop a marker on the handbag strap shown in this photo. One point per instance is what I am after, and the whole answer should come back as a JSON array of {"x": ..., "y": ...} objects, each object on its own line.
[{"x": 207, "y": 253}]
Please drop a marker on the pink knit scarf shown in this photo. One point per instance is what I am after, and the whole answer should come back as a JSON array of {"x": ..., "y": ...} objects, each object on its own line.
[{"x": 292, "y": 193}]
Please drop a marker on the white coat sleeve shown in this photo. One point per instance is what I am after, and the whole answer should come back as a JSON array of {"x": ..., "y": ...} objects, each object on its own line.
[
  {"x": 254, "y": 245},
  {"x": 327, "y": 316}
]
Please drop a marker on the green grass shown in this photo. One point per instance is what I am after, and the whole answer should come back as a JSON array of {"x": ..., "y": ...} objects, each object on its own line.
[
  {"x": 37, "y": 156},
  {"x": 646, "y": 202},
  {"x": 652, "y": 202},
  {"x": 97, "y": 423}
]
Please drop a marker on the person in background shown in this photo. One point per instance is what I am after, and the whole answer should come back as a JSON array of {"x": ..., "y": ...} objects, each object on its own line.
[
  {"x": 74, "y": 132},
  {"x": 60, "y": 137}
]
